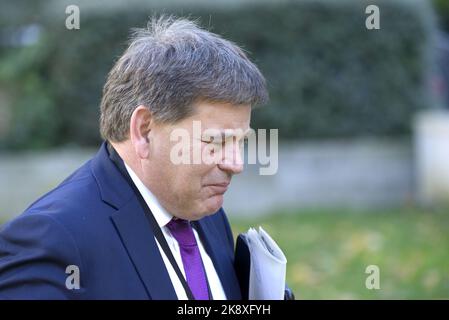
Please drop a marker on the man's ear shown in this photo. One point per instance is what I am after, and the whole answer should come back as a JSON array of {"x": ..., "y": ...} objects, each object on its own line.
[{"x": 139, "y": 129}]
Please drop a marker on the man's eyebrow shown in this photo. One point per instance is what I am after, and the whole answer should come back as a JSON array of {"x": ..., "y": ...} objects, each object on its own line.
[
  {"x": 222, "y": 135},
  {"x": 232, "y": 133}
]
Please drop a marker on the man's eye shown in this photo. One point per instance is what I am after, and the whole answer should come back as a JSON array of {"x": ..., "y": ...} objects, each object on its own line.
[
  {"x": 214, "y": 140},
  {"x": 207, "y": 139}
]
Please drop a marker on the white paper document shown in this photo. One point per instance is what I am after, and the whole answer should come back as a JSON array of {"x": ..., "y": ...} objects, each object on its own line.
[{"x": 268, "y": 267}]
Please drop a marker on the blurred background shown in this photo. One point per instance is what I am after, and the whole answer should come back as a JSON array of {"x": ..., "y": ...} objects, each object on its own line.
[{"x": 362, "y": 114}]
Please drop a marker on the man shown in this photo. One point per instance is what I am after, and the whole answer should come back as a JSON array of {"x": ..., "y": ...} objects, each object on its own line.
[{"x": 134, "y": 222}]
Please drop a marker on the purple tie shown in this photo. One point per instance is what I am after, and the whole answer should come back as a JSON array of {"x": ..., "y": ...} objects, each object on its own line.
[{"x": 191, "y": 257}]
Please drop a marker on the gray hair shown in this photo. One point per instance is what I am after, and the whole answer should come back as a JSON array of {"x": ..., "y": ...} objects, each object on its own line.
[{"x": 171, "y": 65}]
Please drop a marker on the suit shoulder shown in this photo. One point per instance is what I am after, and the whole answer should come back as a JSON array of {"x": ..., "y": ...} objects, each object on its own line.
[
  {"x": 78, "y": 186},
  {"x": 75, "y": 204}
]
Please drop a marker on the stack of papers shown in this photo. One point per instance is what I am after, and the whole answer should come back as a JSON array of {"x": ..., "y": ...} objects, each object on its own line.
[{"x": 267, "y": 268}]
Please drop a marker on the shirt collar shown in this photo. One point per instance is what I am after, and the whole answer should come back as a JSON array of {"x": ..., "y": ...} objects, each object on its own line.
[{"x": 161, "y": 215}]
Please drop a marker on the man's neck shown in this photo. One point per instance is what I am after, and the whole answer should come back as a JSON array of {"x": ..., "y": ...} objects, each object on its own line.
[{"x": 126, "y": 152}]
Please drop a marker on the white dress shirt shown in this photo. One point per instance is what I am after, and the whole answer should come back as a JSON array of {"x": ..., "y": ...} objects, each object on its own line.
[{"x": 163, "y": 217}]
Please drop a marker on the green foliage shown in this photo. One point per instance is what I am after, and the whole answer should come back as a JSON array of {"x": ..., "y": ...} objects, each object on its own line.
[
  {"x": 327, "y": 74},
  {"x": 442, "y": 10}
]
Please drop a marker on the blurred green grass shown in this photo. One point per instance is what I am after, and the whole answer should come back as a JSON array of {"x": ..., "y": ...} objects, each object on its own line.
[{"x": 328, "y": 252}]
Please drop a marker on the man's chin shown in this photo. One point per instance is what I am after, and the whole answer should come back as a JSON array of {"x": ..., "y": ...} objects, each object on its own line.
[
  {"x": 206, "y": 208},
  {"x": 215, "y": 203},
  {"x": 211, "y": 205}
]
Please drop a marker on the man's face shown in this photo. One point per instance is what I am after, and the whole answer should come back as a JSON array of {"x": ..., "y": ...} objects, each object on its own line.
[{"x": 210, "y": 145}]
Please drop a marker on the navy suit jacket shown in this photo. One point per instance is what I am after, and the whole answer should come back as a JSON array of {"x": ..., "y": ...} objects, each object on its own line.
[{"x": 93, "y": 220}]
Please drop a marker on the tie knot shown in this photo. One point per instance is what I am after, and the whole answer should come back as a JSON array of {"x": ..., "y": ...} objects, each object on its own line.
[{"x": 182, "y": 231}]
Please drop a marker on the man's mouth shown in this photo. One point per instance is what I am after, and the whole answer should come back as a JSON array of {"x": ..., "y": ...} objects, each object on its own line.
[{"x": 219, "y": 188}]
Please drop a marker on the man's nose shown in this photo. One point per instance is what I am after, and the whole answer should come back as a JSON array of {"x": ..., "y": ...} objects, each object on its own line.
[{"x": 232, "y": 161}]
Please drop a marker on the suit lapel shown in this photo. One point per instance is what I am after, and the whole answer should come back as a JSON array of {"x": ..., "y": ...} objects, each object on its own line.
[
  {"x": 133, "y": 227},
  {"x": 136, "y": 235},
  {"x": 222, "y": 262}
]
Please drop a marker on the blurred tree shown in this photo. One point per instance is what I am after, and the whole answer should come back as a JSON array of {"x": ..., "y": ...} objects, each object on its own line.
[
  {"x": 442, "y": 11},
  {"x": 327, "y": 74}
]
